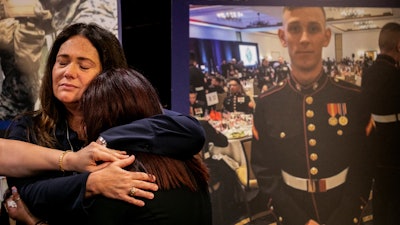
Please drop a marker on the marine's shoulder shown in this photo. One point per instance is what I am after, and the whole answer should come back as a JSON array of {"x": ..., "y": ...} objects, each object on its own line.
[
  {"x": 342, "y": 84},
  {"x": 275, "y": 89}
]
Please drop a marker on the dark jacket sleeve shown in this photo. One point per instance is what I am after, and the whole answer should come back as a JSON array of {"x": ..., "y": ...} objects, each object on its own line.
[
  {"x": 45, "y": 193},
  {"x": 171, "y": 134},
  {"x": 66, "y": 193}
]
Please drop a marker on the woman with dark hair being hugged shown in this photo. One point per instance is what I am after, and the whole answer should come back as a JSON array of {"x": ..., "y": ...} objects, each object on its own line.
[{"x": 183, "y": 196}]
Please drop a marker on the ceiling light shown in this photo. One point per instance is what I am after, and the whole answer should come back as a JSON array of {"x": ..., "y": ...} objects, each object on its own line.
[
  {"x": 366, "y": 24},
  {"x": 352, "y": 12},
  {"x": 230, "y": 15}
]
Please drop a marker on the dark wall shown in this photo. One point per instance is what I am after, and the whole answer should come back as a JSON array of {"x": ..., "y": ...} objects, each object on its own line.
[{"x": 146, "y": 38}]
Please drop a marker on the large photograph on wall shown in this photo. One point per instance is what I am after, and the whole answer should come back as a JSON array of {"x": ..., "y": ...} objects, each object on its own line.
[
  {"x": 289, "y": 135},
  {"x": 27, "y": 31}
]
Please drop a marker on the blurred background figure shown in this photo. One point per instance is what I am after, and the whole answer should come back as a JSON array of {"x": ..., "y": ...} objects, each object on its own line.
[
  {"x": 381, "y": 93},
  {"x": 282, "y": 70},
  {"x": 197, "y": 78},
  {"x": 217, "y": 86},
  {"x": 198, "y": 108},
  {"x": 266, "y": 76}
]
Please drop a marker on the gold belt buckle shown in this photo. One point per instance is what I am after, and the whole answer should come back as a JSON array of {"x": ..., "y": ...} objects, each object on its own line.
[{"x": 311, "y": 187}]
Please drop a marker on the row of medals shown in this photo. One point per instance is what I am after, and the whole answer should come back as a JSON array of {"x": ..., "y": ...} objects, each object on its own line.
[{"x": 333, "y": 121}]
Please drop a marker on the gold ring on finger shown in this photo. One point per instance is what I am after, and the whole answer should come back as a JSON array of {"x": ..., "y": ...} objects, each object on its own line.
[{"x": 132, "y": 191}]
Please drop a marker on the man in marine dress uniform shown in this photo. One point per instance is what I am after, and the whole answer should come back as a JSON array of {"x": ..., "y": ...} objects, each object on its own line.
[
  {"x": 307, "y": 150},
  {"x": 237, "y": 100},
  {"x": 381, "y": 92}
]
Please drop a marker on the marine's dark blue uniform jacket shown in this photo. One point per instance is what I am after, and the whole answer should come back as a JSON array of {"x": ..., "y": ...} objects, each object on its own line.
[{"x": 297, "y": 136}]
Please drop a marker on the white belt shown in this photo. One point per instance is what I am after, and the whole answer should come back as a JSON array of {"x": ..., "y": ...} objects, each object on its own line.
[
  {"x": 315, "y": 185},
  {"x": 386, "y": 118}
]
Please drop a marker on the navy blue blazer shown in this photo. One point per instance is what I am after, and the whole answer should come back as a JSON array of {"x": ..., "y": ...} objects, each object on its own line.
[{"x": 168, "y": 134}]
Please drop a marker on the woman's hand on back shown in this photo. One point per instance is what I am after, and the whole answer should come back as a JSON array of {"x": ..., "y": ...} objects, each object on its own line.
[
  {"x": 91, "y": 158},
  {"x": 115, "y": 182}
]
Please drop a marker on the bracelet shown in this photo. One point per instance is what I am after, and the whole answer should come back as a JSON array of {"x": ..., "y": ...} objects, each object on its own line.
[{"x": 60, "y": 160}]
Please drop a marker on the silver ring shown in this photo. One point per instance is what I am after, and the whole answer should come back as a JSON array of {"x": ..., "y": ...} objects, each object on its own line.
[
  {"x": 100, "y": 140},
  {"x": 132, "y": 191}
]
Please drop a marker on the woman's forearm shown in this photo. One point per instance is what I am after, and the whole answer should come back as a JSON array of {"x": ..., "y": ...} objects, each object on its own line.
[{"x": 18, "y": 158}]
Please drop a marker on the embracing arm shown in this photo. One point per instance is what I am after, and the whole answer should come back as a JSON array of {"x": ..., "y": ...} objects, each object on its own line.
[
  {"x": 172, "y": 134},
  {"x": 43, "y": 196},
  {"x": 18, "y": 158}
]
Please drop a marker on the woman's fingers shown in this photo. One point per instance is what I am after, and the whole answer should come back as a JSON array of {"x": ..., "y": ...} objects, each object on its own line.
[{"x": 117, "y": 183}]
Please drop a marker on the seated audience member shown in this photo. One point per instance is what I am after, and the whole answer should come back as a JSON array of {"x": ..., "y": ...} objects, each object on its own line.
[
  {"x": 237, "y": 100},
  {"x": 197, "y": 107},
  {"x": 79, "y": 54},
  {"x": 182, "y": 181},
  {"x": 217, "y": 84}
]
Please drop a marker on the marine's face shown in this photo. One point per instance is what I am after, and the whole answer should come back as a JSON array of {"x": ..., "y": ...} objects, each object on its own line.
[
  {"x": 234, "y": 87},
  {"x": 304, "y": 34},
  {"x": 77, "y": 64}
]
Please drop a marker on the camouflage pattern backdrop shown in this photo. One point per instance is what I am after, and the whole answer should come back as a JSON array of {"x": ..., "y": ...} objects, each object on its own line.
[{"x": 27, "y": 31}]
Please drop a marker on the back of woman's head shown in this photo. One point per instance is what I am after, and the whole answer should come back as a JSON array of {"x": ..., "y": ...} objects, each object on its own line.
[
  {"x": 109, "y": 49},
  {"x": 117, "y": 97},
  {"x": 120, "y": 96}
]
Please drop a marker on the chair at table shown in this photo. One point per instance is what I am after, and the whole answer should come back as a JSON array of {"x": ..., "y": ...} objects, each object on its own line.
[
  {"x": 259, "y": 207},
  {"x": 249, "y": 183},
  {"x": 220, "y": 105},
  {"x": 227, "y": 199},
  {"x": 237, "y": 157},
  {"x": 244, "y": 172}
]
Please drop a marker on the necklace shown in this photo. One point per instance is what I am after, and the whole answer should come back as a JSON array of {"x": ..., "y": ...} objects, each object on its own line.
[{"x": 68, "y": 139}]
